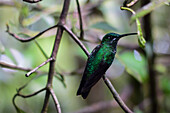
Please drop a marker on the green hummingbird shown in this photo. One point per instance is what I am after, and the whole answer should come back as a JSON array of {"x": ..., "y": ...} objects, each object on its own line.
[{"x": 99, "y": 61}]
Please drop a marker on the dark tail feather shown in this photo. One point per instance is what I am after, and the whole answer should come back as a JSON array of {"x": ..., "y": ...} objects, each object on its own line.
[
  {"x": 85, "y": 94},
  {"x": 79, "y": 91}
]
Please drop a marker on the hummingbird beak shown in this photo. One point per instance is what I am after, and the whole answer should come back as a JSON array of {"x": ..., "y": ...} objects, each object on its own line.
[{"x": 123, "y": 35}]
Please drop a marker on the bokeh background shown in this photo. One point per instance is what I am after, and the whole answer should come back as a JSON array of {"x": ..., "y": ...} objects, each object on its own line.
[{"x": 128, "y": 73}]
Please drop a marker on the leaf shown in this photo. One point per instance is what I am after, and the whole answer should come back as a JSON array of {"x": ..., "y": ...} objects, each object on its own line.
[
  {"x": 148, "y": 8},
  {"x": 103, "y": 26},
  {"x": 135, "y": 65}
]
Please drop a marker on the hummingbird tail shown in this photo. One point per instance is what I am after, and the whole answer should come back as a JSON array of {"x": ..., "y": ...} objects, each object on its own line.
[
  {"x": 84, "y": 94},
  {"x": 79, "y": 92}
]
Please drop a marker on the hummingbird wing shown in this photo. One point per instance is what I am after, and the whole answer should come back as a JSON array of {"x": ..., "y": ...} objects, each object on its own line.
[
  {"x": 85, "y": 77},
  {"x": 92, "y": 73}
]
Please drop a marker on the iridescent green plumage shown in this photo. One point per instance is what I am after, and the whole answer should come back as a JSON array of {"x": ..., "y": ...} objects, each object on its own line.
[{"x": 98, "y": 62}]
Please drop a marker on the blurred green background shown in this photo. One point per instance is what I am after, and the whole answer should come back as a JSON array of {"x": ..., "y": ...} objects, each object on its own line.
[{"x": 128, "y": 73}]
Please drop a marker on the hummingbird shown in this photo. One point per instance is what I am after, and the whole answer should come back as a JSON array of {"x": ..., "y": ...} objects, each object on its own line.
[{"x": 99, "y": 60}]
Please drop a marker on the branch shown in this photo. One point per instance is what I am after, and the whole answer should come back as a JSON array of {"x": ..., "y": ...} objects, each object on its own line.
[
  {"x": 57, "y": 105},
  {"x": 80, "y": 20},
  {"x": 75, "y": 38},
  {"x": 32, "y": 1},
  {"x": 35, "y": 69},
  {"x": 133, "y": 2},
  {"x": 30, "y": 95},
  {"x": 116, "y": 95},
  {"x": 24, "y": 96},
  {"x": 5, "y": 65},
  {"x": 58, "y": 37},
  {"x": 30, "y": 38}
]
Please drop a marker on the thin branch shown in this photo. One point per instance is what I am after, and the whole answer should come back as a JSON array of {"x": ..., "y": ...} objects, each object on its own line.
[
  {"x": 76, "y": 39},
  {"x": 80, "y": 20},
  {"x": 41, "y": 49},
  {"x": 116, "y": 95},
  {"x": 5, "y": 65},
  {"x": 35, "y": 69},
  {"x": 32, "y": 1},
  {"x": 133, "y": 2},
  {"x": 57, "y": 105},
  {"x": 30, "y": 95},
  {"x": 30, "y": 38},
  {"x": 58, "y": 37},
  {"x": 24, "y": 96}
]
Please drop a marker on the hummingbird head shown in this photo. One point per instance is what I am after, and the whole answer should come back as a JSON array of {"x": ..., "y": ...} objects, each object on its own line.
[{"x": 112, "y": 38}]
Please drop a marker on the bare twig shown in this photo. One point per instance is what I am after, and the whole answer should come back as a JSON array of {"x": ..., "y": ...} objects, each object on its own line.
[
  {"x": 133, "y": 2},
  {"x": 24, "y": 96},
  {"x": 80, "y": 20},
  {"x": 41, "y": 49},
  {"x": 116, "y": 95},
  {"x": 32, "y": 1},
  {"x": 57, "y": 105},
  {"x": 30, "y": 38},
  {"x": 76, "y": 39},
  {"x": 35, "y": 69},
  {"x": 30, "y": 95},
  {"x": 61, "y": 22},
  {"x": 5, "y": 65}
]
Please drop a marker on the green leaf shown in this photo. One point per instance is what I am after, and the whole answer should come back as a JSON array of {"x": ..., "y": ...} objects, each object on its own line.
[
  {"x": 103, "y": 26},
  {"x": 148, "y": 8},
  {"x": 135, "y": 65}
]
